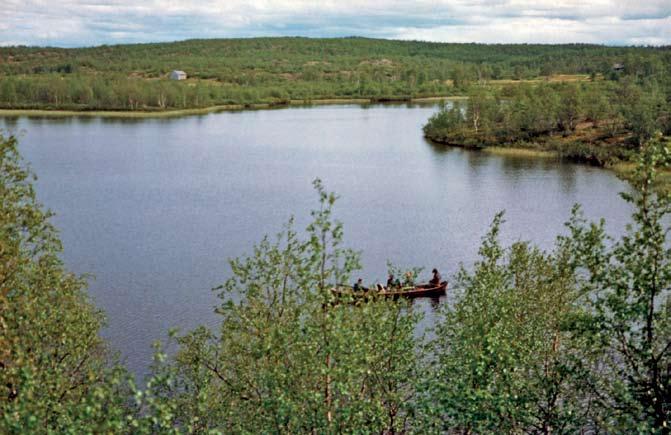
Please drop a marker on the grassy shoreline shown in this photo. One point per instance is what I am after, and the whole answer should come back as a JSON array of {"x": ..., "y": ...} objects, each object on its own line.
[
  {"x": 214, "y": 109},
  {"x": 522, "y": 152},
  {"x": 624, "y": 170}
]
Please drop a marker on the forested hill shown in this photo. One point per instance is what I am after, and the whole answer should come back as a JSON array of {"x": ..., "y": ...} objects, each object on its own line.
[{"x": 275, "y": 70}]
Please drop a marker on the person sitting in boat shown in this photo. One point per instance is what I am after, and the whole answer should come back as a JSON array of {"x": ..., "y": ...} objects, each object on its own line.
[
  {"x": 409, "y": 280},
  {"x": 435, "y": 281},
  {"x": 358, "y": 285},
  {"x": 393, "y": 282}
]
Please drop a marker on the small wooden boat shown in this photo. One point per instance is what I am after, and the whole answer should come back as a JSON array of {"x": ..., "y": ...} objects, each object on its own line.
[{"x": 419, "y": 291}]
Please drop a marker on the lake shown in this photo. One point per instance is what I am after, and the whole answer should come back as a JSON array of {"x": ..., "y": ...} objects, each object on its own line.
[{"x": 153, "y": 208}]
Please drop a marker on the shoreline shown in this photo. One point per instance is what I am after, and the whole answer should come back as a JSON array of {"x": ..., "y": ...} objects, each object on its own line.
[
  {"x": 522, "y": 152},
  {"x": 128, "y": 114},
  {"x": 623, "y": 170}
]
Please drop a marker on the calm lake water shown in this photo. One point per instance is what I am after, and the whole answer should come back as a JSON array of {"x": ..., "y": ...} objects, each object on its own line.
[{"x": 154, "y": 208}]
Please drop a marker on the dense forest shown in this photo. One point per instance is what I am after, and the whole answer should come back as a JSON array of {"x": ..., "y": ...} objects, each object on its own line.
[
  {"x": 576, "y": 339},
  {"x": 277, "y": 70},
  {"x": 600, "y": 121}
]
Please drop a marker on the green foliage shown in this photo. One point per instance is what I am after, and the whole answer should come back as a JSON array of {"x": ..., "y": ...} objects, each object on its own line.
[
  {"x": 503, "y": 359},
  {"x": 54, "y": 374},
  {"x": 481, "y": 110},
  {"x": 290, "y": 358},
  {"x": 630, "y": 284},
  {"x": 448, "y": 125},
  {"x": 646, "y": 110}
]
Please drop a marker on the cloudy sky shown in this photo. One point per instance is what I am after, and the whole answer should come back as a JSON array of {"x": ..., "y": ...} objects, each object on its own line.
[{"x": 73, "y": 23}]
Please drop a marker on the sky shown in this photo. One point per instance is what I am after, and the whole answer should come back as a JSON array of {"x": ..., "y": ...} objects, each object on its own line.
[{"x": 76, "y": 23}]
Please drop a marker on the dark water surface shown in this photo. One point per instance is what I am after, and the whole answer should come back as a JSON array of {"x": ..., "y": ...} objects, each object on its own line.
[{"x": 154, "y": 208}]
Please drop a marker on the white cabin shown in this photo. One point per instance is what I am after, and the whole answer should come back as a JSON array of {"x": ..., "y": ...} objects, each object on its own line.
[{"x": 177, "y": 75}]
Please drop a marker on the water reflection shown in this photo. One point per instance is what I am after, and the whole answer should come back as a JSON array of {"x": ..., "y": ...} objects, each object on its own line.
[
  {"x": 435, "y": 302},
  {"x": 11, "y": 123}
]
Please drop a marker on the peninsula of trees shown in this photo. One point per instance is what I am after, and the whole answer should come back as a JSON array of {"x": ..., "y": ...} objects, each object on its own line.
[
  {"x": 279, "y": 70},
  {"x": 601, "y": 121}
]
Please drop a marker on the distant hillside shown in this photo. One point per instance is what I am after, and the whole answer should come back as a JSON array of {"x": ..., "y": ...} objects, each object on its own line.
[{"x": 276, "y": 70}]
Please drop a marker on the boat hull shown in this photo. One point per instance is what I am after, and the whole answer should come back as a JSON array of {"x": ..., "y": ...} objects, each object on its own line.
[{"x": 420, "y": 291}]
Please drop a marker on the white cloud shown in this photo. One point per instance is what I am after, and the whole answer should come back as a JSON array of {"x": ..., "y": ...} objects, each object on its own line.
[
  {"x": 548, "y": 30},
  {"x": 87, "y": 22}
]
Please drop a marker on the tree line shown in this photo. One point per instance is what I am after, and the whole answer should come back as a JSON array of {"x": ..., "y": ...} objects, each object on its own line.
[
  {"x": 275, "y": 70},
  {"x": 602, "y": 121},
  {"x": 573, "y": 339}
]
